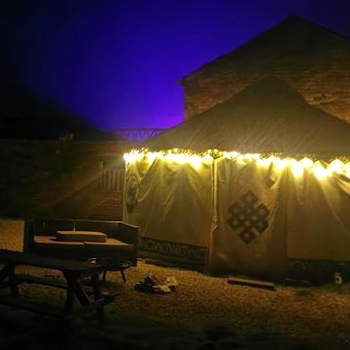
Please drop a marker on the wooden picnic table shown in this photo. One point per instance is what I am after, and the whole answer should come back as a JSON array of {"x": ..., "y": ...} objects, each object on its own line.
[{"x": 73, "y": 272}]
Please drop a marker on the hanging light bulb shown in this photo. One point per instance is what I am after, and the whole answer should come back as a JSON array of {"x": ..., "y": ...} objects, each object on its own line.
[
  {"x": 306, "y": 163},
  {"x": 337, "y": 166},
  {"x": 297, "y": 168},
  {"x": 319, "y": 171}
]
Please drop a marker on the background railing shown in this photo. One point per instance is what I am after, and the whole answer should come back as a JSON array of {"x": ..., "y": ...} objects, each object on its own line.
[
  {"x": 112, "y": 179},
  {"x": 137, "y": 134}
]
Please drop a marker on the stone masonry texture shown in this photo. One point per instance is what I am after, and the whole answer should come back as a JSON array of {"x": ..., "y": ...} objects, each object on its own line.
[{"x": 312, "y": 59}]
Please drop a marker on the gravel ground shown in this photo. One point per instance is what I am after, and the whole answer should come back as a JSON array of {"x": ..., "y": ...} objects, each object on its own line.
[{"x": 204, "y": 313}]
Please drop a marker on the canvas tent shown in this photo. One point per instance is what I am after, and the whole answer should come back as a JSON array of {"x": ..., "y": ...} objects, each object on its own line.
[{"x": 282, "y": 195}]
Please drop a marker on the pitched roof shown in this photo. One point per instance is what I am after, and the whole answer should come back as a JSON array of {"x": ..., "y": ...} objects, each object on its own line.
[
  {"x": 268, "y": 116},
  {"x": 291, "y": 36}
]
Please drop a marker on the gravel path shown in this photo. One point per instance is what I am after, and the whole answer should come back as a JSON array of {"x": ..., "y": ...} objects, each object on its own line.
[{"x": 204, "y": 313}]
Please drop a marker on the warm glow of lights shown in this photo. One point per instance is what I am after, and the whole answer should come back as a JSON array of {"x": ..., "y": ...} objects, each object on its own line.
[
  {"x": 196, "y": 160},
  {"x": 207, "y": 158},
  {"x": 281, "y": 163},
  {"x": 307, "y": 163},
  {"x": 252, "y": 156},
  {"x": 264, "y": 162},
  {"x": 268, "y": 161},
  {"x": 230, "y": 155},
  {"x": 272, "y": 159},
  {"x": 319, "y": 171},
  {"x": 240, "y": 158},
  {"x": 133, "y": 156},
  {"x": 337, "y": 166},
  {"x": 151, "y": 156},
  {"x": 297, "y": 168},
  {"x": 347, "y": 170}
]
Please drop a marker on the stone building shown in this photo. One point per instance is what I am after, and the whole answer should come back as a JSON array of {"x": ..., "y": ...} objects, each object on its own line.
[{"x": 312, "y": 59}]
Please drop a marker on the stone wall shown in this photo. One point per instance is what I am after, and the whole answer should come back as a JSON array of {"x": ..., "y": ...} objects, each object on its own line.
[
  {"x": 313, "y": 60},
  {"x": 59, "y": 179},
  {"x": 324, "y": 83}
]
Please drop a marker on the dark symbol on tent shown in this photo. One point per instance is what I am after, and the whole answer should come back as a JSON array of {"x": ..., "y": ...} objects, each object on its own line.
[
  {"x": 132, "y": 187},
  {"x": 248, "y": 217}
]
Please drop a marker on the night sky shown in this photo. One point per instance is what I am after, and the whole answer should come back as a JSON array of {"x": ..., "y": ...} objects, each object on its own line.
[{"x": 117, "y": 63}]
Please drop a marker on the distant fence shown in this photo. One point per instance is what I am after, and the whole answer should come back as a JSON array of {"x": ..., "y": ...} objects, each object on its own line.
[
  {"x": 112, "y": 179},
  {"x": 137, "y": 134}
]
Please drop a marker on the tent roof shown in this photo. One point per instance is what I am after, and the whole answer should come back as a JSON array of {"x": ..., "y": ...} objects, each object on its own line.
[
  {"x": 291, "y": 36},
  {"x": 268, "y": 116}
]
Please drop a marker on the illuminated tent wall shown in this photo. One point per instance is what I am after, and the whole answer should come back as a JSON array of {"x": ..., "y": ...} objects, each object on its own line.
[{"x": 284, "y": 196}]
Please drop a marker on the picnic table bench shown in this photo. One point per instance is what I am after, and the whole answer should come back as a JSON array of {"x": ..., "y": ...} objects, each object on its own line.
[
  {"x": 114, "y": 244},
  {"x": 72, "y": 271}
]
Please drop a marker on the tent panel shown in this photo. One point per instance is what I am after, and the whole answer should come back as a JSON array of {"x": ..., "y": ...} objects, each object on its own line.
[
  {"x": 318, "y": 218},
  {"x": 173, "y": 202},
  {"x": 250, "y": 232}
]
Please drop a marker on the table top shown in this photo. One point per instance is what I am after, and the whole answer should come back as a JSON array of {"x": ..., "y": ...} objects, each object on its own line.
[{"x": 31, "y": 259}]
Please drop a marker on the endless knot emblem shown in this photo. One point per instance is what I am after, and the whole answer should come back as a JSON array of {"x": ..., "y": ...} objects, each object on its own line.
[{"x": 248, "y": 217}]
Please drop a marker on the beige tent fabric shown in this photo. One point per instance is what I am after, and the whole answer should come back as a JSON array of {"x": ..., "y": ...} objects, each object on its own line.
[
  {"x": 302, "y": 217},
  {"x": 318, "y": 218},
  {"x": 266, "y": 252},
  {"x": 173, "y": 202},
  {"x": 308, "y": 218}
]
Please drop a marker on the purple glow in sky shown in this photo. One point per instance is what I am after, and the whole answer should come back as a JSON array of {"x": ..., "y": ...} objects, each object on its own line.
[{"x": 117, "y": 63}]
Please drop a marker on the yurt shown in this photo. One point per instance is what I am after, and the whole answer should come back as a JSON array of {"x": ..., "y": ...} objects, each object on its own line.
[{"x": 253, "y": 185}]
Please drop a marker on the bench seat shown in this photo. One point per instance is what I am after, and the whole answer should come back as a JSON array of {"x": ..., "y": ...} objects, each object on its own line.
[
  {"x": 44, "y": 241},
  {"x": 77, "y": 240},
  {"x": 81, "y": 236},
  {"x": 110, "y": 243}
]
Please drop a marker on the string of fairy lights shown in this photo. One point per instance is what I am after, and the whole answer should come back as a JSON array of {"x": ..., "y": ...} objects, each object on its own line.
[{"x": 320, "y": 169}]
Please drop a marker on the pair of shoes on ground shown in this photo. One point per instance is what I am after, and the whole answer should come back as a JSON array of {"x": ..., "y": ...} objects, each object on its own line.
[{"x": 152, "y": 284}]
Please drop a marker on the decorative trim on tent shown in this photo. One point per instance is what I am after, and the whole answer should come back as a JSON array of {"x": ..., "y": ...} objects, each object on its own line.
[
  {"x": 180, "y": 250},
  {"x": 248, "y": 217}
]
